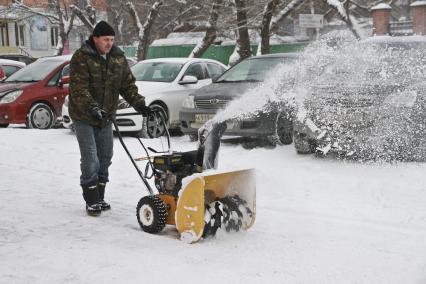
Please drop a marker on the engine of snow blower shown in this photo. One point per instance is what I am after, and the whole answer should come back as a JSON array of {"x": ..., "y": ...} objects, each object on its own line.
[{"x": 170, "y": 169}]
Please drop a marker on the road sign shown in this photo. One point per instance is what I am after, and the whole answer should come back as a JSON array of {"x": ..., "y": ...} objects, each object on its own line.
[{"x": 311, "y": 21}]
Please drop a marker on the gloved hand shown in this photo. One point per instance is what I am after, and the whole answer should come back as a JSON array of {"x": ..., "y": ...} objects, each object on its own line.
[
  {"x": 142, "y": 109},
  {"x": 97, "y": 113}
]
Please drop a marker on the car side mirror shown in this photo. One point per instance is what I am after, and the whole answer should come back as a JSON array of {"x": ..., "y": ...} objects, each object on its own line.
[
  {"x": 65, "y": 80},
  {"x": 187, "y": 79}
]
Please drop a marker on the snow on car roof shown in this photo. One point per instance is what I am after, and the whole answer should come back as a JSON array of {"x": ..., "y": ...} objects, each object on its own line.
[
  {"x": 60, "y": 57},
  {"x": 181, "y": 60},
  {"x": 12, "y": 62}
]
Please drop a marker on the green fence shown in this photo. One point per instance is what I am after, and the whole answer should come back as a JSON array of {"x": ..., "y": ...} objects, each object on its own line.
[{"x": 217, "y": 52}]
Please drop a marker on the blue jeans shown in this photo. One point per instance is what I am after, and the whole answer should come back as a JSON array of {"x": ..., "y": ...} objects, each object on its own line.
[{"x": 96, "y": 149}]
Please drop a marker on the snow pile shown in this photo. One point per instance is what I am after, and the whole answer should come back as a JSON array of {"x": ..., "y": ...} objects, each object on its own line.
[{"x": 368, "y": 95}]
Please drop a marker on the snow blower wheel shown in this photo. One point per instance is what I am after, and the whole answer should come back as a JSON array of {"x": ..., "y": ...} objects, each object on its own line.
[{"x": 152, "y": 214}]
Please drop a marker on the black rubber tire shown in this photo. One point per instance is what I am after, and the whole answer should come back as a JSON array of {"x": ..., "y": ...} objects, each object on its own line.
[
  {"x": 283, "y": 130},
  {"x": 152, "y": 214},
  {"x": 41, "y": 116},
  {"x": 4, "y": 125},
  {"x": 153, "y": 129}
]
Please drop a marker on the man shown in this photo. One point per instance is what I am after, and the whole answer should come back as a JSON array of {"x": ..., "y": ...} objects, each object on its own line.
[{"x": 99, "y": 72}]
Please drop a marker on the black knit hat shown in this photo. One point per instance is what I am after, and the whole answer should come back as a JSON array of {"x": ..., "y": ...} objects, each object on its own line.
[{"x": 103, "y": 29}]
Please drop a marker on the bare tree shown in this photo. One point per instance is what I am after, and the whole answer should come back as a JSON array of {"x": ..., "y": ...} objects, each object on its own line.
[
  {"x": 242, "y": 46},
  {"x": 342, "y": 8},
  {"x": 290, "y": 7},
  {"x": 66, "y": 22},
  {"x": 265, "y": 34},
  {"x": 211, "y": 32},
  {"x": 144, "y": 30}
]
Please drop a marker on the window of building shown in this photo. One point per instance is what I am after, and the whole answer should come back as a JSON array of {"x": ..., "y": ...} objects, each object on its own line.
[
  {"x": 54, "y": 32},
  {"x": 20, "y": 35},
  {"x": 4, "y": 34}
]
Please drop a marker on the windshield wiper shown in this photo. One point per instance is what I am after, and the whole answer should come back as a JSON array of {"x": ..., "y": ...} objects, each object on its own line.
[{"x": 238, "y": 81}]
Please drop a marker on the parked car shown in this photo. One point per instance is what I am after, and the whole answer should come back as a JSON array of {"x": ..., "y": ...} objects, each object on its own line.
[
  {"x": 18, "y": 57},
  {"x": 203, "y": 104},
  {"x": 34, "y": 95},
  {"x": 8, "y": 67},
  {"x": 381, "y": 114},
  {"x": 165, "y": 83}
]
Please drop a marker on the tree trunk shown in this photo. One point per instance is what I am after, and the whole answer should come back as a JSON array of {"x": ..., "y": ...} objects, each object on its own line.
[
  {"x": 266, "y": 21},
  {"x": 243, "y": 35},
  {"x": 211, "y": 32},
  {"x": 63, "y": 33}
]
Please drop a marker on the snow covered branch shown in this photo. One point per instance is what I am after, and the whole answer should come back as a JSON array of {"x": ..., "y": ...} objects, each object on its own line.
[
  {"x": 28, "y": 10},
  {"x": 284, "y": 13},
  {"x": 144, "y": 30},
  {"x": 211, "y": 32},
  {"x": 342, "y": 9},
  {"x": 85, "y": 20}
]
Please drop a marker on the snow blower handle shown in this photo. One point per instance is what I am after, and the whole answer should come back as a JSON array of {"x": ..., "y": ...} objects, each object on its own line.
[{"x": 120, "y": 138}]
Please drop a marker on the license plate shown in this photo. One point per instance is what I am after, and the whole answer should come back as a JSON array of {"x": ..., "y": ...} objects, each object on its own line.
[{"x": 203, "y": 117}]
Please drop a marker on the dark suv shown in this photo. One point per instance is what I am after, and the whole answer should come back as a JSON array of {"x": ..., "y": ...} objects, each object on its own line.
[{"x": 202, "y": 105}]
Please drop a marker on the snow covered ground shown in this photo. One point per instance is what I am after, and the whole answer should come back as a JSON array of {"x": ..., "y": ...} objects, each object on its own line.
[{"x": 318, "y": 220}]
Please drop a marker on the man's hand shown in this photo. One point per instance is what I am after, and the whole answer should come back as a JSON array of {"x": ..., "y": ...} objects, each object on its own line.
[
  {"x": 142, "y": 109},
  {"x": 97, "y": 113}
]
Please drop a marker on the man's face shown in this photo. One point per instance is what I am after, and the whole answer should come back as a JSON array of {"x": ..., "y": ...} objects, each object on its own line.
[{"x": 103, "y": 43}]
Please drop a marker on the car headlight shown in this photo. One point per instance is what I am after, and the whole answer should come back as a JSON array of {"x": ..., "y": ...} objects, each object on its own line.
[
  {"x": 189, "y": 102},
  {"x": 10, "y": 97}
]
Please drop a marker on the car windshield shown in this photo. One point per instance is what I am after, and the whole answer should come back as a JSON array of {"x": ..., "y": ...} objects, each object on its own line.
[
  {"x": 156, "y": 71},
  {"x": 252, "y": 70},
  {"x": 35, "y": 71}
]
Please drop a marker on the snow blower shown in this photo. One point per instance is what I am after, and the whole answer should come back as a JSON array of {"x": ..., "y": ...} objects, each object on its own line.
[{"x": 190, "y": 193}]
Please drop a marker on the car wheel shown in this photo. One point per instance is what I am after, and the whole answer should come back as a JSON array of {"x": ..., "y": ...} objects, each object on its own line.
[
  {"x": 41, "y": 116},
  {"x": 283, "y": 130},
  {"x": 156, "y": 122},
  {"x": 4, "y": 125},
  {"x": 302, "y": 144}
]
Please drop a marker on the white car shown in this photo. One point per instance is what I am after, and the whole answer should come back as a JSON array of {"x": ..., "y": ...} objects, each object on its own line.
[{"x": 165, "y": 83}]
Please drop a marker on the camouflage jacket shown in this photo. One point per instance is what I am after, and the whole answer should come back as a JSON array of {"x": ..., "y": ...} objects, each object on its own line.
[{"x": 95, "y": 81}]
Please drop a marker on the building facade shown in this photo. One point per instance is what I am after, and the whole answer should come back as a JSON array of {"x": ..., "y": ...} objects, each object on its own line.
[{"x": 33, "y": 34}]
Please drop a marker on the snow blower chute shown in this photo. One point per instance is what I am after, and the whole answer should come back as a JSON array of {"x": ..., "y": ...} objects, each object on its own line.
[{"x": 192, "y": 195}]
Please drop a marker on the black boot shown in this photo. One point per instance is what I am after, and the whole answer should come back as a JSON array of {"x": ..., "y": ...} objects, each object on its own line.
[
  {"x": 91, "y": 196},
  {"x": 101, "y": 189}
]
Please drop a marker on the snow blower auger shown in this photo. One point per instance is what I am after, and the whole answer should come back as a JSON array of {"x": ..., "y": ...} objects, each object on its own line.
[{"x": 192, "y": 196}]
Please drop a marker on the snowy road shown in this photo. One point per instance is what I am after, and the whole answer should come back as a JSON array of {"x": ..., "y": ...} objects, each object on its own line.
[{"x": 318, "y": 221}]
